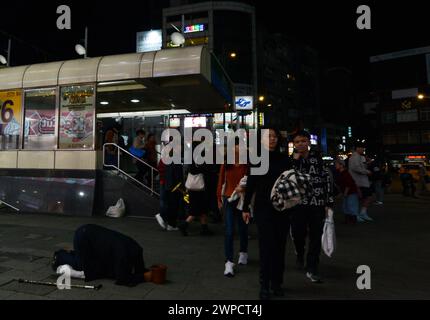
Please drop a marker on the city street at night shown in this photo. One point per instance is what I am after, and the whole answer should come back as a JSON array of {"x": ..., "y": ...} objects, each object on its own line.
[
  {"x": 394, "y": 246},
  {"x": 214, "y": 158}
]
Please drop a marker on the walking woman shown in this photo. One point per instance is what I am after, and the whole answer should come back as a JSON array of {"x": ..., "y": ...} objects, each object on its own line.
[
  {"x": 229, "y": 179},
  {"x": 273, "y": 226},
  {"x": 199, "y": 198}
]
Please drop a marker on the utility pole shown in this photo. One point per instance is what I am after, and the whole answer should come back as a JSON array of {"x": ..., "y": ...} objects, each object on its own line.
[
  {"x": 86, "y": 42},
  {"x": 9, "y": 46}
]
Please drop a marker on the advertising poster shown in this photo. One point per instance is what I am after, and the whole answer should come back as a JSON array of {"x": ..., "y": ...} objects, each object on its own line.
[
  {"x": 10, "y": 113},
  {"x": 76, "y": 117}
]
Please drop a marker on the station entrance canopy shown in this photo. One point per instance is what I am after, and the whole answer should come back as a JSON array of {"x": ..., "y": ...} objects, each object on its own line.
[
  {"x": 50, "y": 136},
  {"x": 181, "y": 78}
]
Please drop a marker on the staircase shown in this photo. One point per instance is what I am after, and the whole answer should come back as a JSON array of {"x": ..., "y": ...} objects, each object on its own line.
[{"x": 117, "y": 180}]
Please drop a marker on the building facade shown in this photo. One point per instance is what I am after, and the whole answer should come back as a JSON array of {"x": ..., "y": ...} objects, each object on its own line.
[
  {"x": 228, "y": 29},
  {"x": 402, "y": 98}
]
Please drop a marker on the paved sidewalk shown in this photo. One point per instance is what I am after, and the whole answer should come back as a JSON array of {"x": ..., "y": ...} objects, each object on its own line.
[{"x": 395, "y": 247}]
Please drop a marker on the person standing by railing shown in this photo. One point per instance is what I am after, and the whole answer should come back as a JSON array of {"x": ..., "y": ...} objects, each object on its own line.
[{"x": 112, "y": 136}]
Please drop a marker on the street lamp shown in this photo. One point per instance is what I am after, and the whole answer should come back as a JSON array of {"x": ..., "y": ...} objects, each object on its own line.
[
  {"x": 420, "y": 96},
  {"x": 4, "y": 60},
  {"x": 261, "y": 98},
  {"x": 233, "y": 55},
  {"x": 82, "y": 49}
]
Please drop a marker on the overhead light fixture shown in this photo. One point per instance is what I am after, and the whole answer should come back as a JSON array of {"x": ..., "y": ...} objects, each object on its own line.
[
  {"x": 80, "y": 49},
  {"x": 421, "y": 96},
  {"x": 177, "y": 39},
  {"x": 233, "y": 55},
  {"x": 104, "y": 103},
  {"x": 135, "y": 100},
  {"x": 153, "y": 113}
]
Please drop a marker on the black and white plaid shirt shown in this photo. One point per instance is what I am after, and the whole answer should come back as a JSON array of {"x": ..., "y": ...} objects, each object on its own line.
[{"x": 289, "y": 189}]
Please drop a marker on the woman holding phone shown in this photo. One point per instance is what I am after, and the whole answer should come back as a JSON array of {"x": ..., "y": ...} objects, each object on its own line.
[{"x": 273, "y": 226}]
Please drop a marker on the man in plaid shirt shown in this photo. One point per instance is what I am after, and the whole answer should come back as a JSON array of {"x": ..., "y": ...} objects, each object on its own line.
[{"x": 310, "y": 214}]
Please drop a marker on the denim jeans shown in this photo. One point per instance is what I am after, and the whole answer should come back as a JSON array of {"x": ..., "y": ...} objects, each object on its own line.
[
  {"x": 230, "y": 215},
  {"x": 163, "y": 202},
  {"x": 351, "y": 204},
  {"x": 379, "y": 191}
]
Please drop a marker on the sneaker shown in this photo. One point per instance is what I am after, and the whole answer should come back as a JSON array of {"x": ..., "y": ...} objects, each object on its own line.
[
  {"x": 243, "y": 259},
  {"x": 229, "y": 271},
  {"x": 313, "y": 277},
  {"x": 366, "y": 217},
  {"x": 170, "y": 228},
  {"x": 360, "y": 219},
  {"x": 160, "y": 221}
]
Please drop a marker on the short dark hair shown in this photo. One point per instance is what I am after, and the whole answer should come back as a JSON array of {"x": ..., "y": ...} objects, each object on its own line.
[
  {"x": 138, "y": 132},
  {"x": 301, "y": 133},
  {"x": 359, "y": 144}
]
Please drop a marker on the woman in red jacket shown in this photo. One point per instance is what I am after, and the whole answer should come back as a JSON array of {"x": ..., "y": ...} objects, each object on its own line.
[{"x": 228, "y": 182}]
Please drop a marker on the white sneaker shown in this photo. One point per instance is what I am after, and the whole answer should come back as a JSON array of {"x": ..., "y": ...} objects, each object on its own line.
[
  {"x": 170, "y": 228},
  {"x": 65, "y": 268},
  {"x": 160, "y": 221},
  {"x": 229, "y": 271},
  {"x": 364, "y": 216},
  {"x": 243, "y": 258}
]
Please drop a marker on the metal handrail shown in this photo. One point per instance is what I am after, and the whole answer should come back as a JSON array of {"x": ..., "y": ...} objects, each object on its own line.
[
  {"x": 151, "y": 189},
  {"x": 9, "y": 205}
]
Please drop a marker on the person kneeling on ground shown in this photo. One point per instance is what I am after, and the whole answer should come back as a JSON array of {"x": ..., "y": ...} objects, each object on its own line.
[{"x": 102, "y": 253}]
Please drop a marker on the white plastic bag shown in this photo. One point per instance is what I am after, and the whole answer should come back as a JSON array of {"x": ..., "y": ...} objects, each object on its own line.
[
  {"x": 195, "y": 182},
  {"x": 116, "y": 211},
  {"x": 328, "y": 240}
]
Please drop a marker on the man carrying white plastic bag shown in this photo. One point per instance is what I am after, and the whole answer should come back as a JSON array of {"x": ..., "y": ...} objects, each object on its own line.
[{"x": 328, "y": 241}]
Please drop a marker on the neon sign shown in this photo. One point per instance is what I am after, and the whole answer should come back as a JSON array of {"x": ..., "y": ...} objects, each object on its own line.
[{"x": 194, "y": 28}]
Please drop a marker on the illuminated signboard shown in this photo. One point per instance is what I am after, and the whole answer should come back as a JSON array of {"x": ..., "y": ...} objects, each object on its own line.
[
  {"x": 147, "y": 41},
  {"x": 314, "y": 139},
  {"x": 290, "y": 148},
  {"x": 194, "y": 28},
  {"x": 195, "y": 122},
  {"x": 175, "y": 122},
  {"x": 244, "y": 103}
]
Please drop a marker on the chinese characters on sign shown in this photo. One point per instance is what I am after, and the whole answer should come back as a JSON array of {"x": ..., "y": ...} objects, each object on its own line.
[{"x": 76, "y": 117}]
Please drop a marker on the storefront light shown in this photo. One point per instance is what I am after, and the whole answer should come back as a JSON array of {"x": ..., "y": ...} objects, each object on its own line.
[
  {"x": 105, "y": 103},
  {"x": 135, "y": 100}
]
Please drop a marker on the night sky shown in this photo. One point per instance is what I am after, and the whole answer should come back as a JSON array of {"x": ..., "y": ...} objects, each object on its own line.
[{"x": 328, "y": 26}]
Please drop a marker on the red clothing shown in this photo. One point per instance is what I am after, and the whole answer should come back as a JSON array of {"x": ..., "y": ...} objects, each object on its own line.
[
  {"x": 345, "y": 180},
  {"x": 233, "y": 175},
  {"x": 161, "y": 171}
]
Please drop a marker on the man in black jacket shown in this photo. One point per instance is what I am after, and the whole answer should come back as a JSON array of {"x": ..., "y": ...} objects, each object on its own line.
[
  {"x": 103, "y": 253},
  {"x": 310, "y": 214}
]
